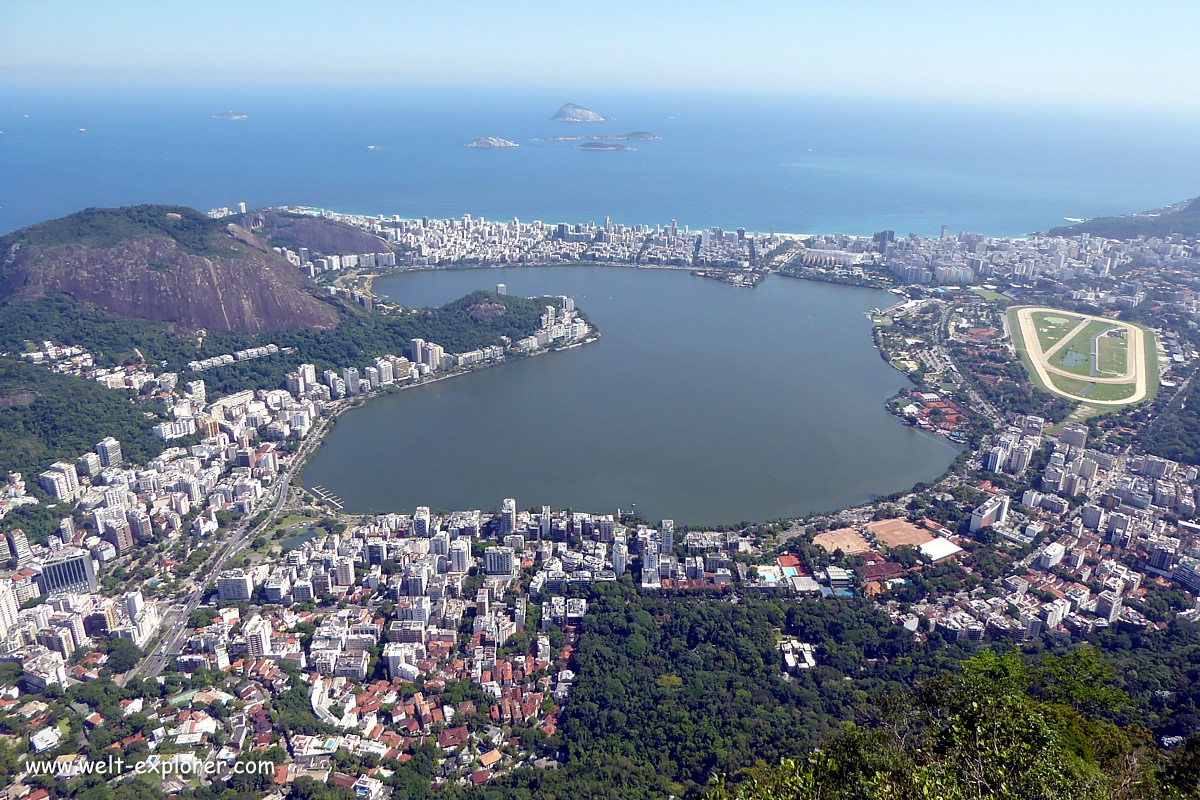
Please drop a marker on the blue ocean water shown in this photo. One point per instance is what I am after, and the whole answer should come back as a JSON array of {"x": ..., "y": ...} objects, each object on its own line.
[{"x": 796, "y": 164}]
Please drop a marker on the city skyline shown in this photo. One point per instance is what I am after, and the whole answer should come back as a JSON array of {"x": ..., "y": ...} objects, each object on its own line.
[{"x": 1069, "y": 54}]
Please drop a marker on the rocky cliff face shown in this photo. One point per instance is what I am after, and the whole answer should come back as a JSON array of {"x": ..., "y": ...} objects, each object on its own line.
[{"x": 212, "y": 275}]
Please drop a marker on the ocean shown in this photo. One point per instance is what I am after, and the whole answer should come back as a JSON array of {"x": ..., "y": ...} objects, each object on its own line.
[{"x": 795, "y": 164}]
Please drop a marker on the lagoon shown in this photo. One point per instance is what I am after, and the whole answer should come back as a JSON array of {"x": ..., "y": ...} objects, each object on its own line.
[{"x": 700, "y": 402}]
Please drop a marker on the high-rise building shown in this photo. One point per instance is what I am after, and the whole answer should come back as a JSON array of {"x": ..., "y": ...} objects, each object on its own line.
[
  {"x": 421, "y": 522},
  {"x": 18, "y": 545},
  {"x": 460, "y": 555},
  {"x": 620, "y": 558},
  {"x": 58, "y": 640},
  {"x": 417, "y": 353},
  {"x": 258, "y": 636},
  {"x": 1108, "y": 605},
  {"x": 61, "y": 481},
  {"x": 376, "y": 551},
  {"x": 196, "y": 391},
  {"x": 351, "y": 379},
  {"x": 8, "y": 608},
  {"x": 434, "y": 353},
  {"x": 1163, "y": 550},
  {"x": 88, "y": 465},
  {"x": 344, "y": 571},
  {"x": 993, "y": 511},
  {"x": 508, "y": 516},
  {"x": 1051, "y": 556},
  {"x": 499, "y": 561},
  {"x": 120, "y": 535},
  {"x": 296, "y": 383},
  {"x": 666, "y": 536},
  {"x": 544, "y": 523},
  {"x": 1074, "y": 434},
  {"x": 109, "y": 450},
  {"x": 235, "y": 586},
  {"x": 69, "y": 570},
  {"x": 134, "y": 603}
]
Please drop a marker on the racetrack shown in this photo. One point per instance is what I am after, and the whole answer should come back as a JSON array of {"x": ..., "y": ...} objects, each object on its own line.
[{"x": 1136, "y": 368}]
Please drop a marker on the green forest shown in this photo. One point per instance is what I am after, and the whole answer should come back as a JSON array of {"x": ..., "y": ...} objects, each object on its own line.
[
  {"x": 194, "y": 232},
  {"x": 47, "y": 417},
  {"x": 672, "y": 693},
  {"x": 1175, "y": 432},
  {"x": 997, "y": 729}
]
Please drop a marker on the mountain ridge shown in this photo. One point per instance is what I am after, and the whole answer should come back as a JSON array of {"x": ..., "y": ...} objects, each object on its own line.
[{"x": 163, "y": 263}]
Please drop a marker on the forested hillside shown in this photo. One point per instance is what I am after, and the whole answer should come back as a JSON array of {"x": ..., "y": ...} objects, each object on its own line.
[
  {"x": 45, "y": 417},
  {"x": 358, "y": 337}
]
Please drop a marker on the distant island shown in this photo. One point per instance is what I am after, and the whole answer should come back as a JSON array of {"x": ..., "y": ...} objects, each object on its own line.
[
  {"x": 490, "y": 142},
  {"x": 605, "y": 146},
  {"x": 573, "y": 113},
  {"x": 230, "y": 115},
  {"x": 635, "y": 136}
]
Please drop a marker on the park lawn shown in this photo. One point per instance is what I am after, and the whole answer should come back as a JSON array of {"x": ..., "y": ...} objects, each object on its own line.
[
  {"x": 1081, "y": 345},
  {"x": 1069, "y": 385},
  {"x": 286, "y": 521},
  {"x": 1112, "y": 355},
  {"x": 1151, "y": 345},
  {"x": 1098, "y": 391},
  {"x": 988, "y": 294},
  {"x": 1050, "y": 332},
  {"x": 1112, "y": 391}
]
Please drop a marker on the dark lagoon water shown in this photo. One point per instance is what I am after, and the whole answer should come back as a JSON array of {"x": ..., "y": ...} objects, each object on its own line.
[{"x": 701, "y": 402}]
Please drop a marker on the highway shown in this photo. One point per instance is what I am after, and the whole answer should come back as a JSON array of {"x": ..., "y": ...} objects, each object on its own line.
[{"x": 175, "y": 620}]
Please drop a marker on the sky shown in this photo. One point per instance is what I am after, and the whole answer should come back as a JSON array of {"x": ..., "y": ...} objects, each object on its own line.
[{"x": 1100, "y": 53}]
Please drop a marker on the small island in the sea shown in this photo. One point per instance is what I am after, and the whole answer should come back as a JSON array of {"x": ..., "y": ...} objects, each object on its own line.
[
  {"x": 605, "y": 146},
  {"x": 636, "y": 136},
  {"x": 573, "y": 113},
  {"x": 230, "y": 116},
  {"x": 490, "y": 142}
]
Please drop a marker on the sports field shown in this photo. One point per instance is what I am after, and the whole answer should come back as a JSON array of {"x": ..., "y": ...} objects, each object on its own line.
[{"x": 848, "y": 540}]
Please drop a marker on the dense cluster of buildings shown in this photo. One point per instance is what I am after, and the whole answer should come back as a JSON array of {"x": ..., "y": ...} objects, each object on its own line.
[
  {"x": 456, "y": 631},
  {"x": 428, "y": 242}
]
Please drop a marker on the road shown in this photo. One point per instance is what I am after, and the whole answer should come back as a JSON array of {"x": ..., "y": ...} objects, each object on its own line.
[
  {"x": 175, "y": 621},
  {"x": 979, "y": 403}
]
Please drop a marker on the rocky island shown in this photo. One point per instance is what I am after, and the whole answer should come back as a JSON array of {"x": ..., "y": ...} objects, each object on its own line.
[
  {"x": 610, "y": 146},
  {"x": 573, "y": 113},
  {"x": 491, "y": 142},
  {"x": 636, "y": 136}
]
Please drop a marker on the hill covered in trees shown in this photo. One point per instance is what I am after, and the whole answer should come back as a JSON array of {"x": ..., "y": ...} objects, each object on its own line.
[
  {"x": 357, "y": 337},
  {"x": 45, "y": 417},
  {"x": 685, "y": 696},
  {"x": 1180, "y": 218},
  {"x": 996, "y": 730}
]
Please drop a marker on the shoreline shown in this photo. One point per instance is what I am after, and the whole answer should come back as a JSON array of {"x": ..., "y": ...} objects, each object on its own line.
[{"x": 320, "y": 212}]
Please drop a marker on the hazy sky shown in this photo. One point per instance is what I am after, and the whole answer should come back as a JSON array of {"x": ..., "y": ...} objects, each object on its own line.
[{"x": 1102, "y": 52}]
